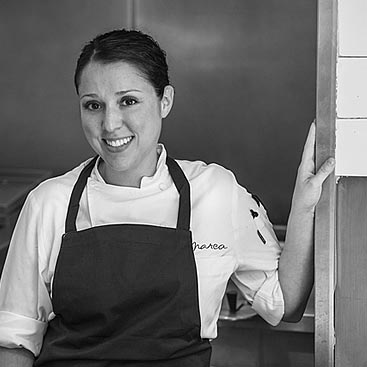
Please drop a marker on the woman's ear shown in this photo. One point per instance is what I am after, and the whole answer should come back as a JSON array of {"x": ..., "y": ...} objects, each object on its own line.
[{"x": 167, "y": 100}]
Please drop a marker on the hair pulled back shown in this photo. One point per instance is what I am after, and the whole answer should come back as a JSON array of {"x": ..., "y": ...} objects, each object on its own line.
[{"x": 131, "y": 46}]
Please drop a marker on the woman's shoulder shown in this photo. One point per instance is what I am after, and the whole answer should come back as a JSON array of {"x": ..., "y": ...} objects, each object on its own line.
[
  {"x": 210, "y": 172},
  {"x": 58, "y": 187}
]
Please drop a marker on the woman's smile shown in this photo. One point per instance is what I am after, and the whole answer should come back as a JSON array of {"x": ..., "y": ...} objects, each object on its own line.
[{"x": 118, "y": 144}]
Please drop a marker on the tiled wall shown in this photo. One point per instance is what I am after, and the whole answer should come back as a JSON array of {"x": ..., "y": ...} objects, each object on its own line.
[{"x": 351, "y": 124}]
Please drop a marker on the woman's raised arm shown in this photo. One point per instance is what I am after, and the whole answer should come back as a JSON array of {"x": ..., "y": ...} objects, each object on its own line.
[{"x": 296, "y": 261}]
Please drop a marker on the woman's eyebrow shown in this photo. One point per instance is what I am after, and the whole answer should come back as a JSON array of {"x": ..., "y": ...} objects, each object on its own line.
[
  {"x": 121, "y": 92},
  {"x": 89, "y": 95}
]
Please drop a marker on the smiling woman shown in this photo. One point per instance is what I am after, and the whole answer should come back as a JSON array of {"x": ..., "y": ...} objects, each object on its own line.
[
  {"x": 121, "y": 116},
  {"x": 129, "y": 254},
  {"x": 122, "y": 80}
]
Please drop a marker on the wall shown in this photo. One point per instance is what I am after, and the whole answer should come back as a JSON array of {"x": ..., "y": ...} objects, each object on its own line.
[
  {"x": 40, "y": 42},
  {"x": 351, "y": 153},
  {"x": 245, "y": 86},
  {"x": 351, "y": 124},
  {"x": 244, "y": 75},
  {"x": 350, "y": 290}
]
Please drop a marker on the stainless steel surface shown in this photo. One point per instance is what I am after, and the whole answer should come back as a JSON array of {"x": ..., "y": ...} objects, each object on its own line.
[{"x": 245, "y": 79}]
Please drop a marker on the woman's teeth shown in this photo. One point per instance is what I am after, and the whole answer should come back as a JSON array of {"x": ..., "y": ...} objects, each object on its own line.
[{"x": 118, "y": 142}]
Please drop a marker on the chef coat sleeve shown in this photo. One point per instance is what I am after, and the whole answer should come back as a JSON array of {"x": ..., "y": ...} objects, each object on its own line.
[
  {"x": 257, "y": 253},
  {"x": 25, "y": 303}
]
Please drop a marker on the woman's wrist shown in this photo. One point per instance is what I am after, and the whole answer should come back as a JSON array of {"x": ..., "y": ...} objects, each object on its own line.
[{"x": 302, "y": 210}]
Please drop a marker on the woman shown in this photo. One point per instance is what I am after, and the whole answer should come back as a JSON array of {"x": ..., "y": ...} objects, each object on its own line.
[{"x": 124, "y": 260}]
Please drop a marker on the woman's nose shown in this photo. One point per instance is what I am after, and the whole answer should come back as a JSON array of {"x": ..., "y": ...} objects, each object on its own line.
[{"x": 112, "y": 119}]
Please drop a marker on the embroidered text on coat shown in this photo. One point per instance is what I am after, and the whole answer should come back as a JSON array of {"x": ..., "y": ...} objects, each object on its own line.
[{"x": 208, "y": 246}]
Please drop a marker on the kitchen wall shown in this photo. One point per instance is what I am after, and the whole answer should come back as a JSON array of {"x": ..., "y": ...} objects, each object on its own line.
[
  {"x": 245, "y": 77},
  {"x": 40, "y": 42},
  {"x": 244, "y": 73}
]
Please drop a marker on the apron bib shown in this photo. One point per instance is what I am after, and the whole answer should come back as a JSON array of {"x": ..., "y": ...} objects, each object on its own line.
[{"x": 126, "y": 294}]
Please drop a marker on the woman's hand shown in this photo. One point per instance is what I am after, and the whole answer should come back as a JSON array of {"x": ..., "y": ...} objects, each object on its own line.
[{"x": 308, "y": 186}]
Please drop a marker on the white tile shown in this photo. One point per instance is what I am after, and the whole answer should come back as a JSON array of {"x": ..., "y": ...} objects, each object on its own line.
[
  {"x": 351, "y": 96},
  {"x": 352, "y": 27},
  {"x": 351, "y": 147}
]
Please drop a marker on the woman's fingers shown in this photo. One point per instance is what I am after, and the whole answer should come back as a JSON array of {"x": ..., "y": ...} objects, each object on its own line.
[
  {"x": 309, "y": 184},
  {"x": 307, "y": 165},
  {"x": 309, "y": 148},
  {"x": 324, "y": 171}
]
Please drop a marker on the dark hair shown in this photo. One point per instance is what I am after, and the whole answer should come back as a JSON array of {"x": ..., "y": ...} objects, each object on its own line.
[{"x": 130, "y": 46}]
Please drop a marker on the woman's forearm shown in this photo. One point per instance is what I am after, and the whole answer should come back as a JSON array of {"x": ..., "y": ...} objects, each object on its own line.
[
  {"x": 296, "y": 264},
  {"x": 296, "y": 261},
  {"x": 16, "y": 357}
]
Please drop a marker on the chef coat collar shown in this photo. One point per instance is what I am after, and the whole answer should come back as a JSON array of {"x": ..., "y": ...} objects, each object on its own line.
[{"x": 161, "y": 171}]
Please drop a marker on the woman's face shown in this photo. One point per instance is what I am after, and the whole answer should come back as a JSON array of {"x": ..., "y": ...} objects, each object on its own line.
[{"x": 121, "y": 117}]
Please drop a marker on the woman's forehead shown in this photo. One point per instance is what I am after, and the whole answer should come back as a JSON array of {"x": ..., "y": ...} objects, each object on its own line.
[{"x": 114, "y": 75}]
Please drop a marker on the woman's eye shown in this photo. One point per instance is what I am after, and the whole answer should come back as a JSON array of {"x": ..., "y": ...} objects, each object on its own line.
[
  {"x": 128, "y": 101},
  {"x": 92, "y": 106}
]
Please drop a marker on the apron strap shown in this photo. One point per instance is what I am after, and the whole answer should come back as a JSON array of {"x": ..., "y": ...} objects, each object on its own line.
[
  {"x": 178, "y": 177},
  {"x": 183, "y": 187},
  {"x": 76, "y": 194}
]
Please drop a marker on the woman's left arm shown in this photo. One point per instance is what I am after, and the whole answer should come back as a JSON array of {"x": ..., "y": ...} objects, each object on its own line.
[{"x": 296, "y": 260}]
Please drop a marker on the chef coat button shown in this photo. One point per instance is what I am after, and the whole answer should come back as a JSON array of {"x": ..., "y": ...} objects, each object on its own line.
[{"x": 162, "y": 186}]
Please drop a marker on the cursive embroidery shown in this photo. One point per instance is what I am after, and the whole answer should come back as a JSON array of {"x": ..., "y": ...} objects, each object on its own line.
[{"x": 207, "y": 246}]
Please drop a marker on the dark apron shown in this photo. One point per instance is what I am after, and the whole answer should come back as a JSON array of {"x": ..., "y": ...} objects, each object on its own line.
[{"x": 126, "y": 294}]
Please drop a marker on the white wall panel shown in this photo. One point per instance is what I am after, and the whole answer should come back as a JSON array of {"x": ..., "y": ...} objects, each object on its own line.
[
  {"x": 352, "y": 27},
  {"x": 351, "y": 147},
  {"x": 352, "y": 87}
]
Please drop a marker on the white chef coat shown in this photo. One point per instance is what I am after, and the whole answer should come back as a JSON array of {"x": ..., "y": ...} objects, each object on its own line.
[{"x": 228, "y": 241}]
